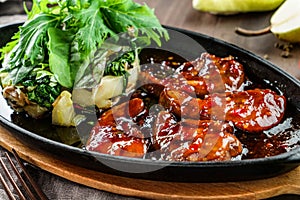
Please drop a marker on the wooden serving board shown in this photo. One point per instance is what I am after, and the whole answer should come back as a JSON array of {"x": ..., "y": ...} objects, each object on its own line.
[{"x": 288, "y": 183}]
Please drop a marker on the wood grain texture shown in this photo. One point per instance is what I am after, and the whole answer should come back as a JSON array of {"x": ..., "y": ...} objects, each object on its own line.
[{"x": 288, "y": 183}]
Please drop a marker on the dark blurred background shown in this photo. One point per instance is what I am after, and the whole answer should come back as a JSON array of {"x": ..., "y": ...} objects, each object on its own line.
[{"x": 13, "y": 7}]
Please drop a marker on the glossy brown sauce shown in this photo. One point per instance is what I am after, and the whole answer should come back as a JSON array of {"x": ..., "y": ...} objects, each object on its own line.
[
  {"x": 259, "y": 143},
  {"x": 279, "y": 139}
]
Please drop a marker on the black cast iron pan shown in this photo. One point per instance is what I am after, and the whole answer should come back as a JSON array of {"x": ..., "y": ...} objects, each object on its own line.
[{"x": 45, "y": 137}]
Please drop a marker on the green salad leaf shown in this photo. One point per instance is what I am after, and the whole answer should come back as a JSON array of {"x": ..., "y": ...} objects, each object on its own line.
[
  {"x": 93, "y": 31},
  {"x": 59, "y": 50},
  {"x": 31, "y": 48},
  {"x": 64, "y": 34},
  {"x": 121, "y": 15}
]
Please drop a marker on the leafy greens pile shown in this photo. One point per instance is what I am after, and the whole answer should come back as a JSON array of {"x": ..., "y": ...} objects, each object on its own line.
[{"x": 47, "y": 52}]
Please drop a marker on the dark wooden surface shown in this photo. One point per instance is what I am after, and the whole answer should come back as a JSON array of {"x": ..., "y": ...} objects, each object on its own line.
[{"x": 178, "y": 13}]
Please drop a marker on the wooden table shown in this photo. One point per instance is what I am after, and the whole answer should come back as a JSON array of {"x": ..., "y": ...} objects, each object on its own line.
[{"x": 179, "y": 13}]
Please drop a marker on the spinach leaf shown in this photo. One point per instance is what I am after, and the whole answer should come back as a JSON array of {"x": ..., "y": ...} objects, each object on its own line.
[
  {"x": 41, "y": 87},
  {"x": 59, "y": 52},
  {"x": 31, "y": 48}
]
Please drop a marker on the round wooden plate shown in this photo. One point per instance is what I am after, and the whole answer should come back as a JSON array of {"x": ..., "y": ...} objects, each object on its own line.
[{"x": 288, "y": 183}]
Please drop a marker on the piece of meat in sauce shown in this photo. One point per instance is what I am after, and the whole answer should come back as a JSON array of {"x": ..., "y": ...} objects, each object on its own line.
[
  {"x": 255, "y": 110},
  {"x": 207, "y": 74},
  {"x": 212, "y": 74},
  {"x": 252, "y": 110},
  {"x": 117, "y": 131},
  {"x": 194, "y": 140}
]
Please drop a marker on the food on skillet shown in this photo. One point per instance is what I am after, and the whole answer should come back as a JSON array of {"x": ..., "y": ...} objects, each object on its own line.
[
  {"x": 179, "y": 114},
  {"x": 116, "y": 134},
  {"x": 47, "y": 55},
  {"x": 194, "y": 140},
  {"x": 252, "y": 110},
  {"x": 207, "y": 74},
  {"x": 187, "y": 112}
]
